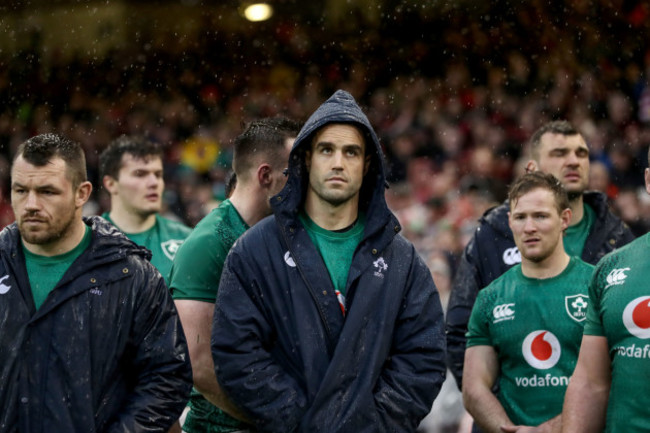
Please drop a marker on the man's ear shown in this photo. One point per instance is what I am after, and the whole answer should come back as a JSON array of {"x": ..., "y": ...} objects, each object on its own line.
[
  {"x": 366, "y": 165},
  {"x": 109, "y": 183},
  {"x": 83, "y": 193},
  {"x": 531, "y": 166},
  {"x": 565, "y": 217},
  {"x": 264, "y": 177}
]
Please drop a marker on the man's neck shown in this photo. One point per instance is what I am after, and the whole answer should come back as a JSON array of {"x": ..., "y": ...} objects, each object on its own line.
[
  {"x": 130, "y": 222},
  {"x": 331, "y": 217},
  {"x": 577, "y": 210},
  {"x": 251, "y": 205},
  {"x": 62, "y": 245},
  {"x": 547, "y": 268}
]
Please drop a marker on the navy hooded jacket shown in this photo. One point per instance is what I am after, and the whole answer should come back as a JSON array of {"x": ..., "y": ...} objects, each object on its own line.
[
  {"x": 492, "y": 251},
  {"x": 282, "y": 348},
  {"x": 104, "y": 353}
]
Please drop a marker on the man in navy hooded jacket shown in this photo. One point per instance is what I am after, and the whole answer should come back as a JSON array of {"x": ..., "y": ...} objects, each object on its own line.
[
  {"x": 89, "y": 337},
  {"x": 326, "y": 318}
]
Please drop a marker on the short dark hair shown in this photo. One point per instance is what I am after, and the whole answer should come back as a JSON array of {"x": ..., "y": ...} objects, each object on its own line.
[
  {"x": 110, "y": 160},
  {"x": 561, "y": 127},
  {"x": 265, "y": 137},
  {"x": 539, "y": 179},
  {"x": 41, "y": 149}
]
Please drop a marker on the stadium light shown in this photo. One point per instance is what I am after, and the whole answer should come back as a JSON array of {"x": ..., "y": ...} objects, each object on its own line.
[{"x": 258, "y": 12}]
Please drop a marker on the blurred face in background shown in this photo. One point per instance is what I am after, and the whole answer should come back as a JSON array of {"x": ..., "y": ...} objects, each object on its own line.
[
  {"x": 567, "y": 158},
  {"x": 139, "y": 186}
]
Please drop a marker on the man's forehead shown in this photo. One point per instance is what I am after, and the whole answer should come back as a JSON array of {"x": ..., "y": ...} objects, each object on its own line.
[
  {"x": 53, "y": 171},
  {"x": 138, "y": 160},
  {"x": 537, "y": 197},
  {"x": 351, "y": 134},
  {"x": 552, "y": 140}
]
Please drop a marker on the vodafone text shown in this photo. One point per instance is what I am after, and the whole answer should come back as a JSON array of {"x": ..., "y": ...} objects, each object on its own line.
[
  {"x": 540, "y": 381},
  {"x": 633, "y": 351}
]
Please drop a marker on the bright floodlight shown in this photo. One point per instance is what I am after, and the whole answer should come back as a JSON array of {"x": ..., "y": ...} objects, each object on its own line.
[{"x": 258, "y": 12}]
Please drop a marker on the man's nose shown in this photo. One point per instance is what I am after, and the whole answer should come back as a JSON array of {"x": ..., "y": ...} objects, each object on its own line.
[
  {"x": 337, "y": 159},
  {"x": 153, "y": 180},
  {"x": 32, "y": 202},
  {"x": 572, "y": 159},
  {"x": 529, "y": 225}
]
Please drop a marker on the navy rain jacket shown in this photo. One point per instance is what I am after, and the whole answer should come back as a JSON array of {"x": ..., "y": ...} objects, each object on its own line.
[
  {"x": 282, "y": 348},
  {"x": 492, "y": 251},
  {"x": 104, "y": 353}
]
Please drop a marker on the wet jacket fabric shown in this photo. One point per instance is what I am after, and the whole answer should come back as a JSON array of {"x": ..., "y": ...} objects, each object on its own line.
[
  {"x": 104, "y": 353},
  {"x": 283, "y": 350},
  {"x": 492, "y": 251}
]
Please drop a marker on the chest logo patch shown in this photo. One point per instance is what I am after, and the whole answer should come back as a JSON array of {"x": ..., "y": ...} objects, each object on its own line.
[
  {"x": 511, "y": 256},
  {"x": 170, "y": 247},
  {"x": 503, "y": 312},
  {"x": 380, "y": 266},
  {"x": 636, "y": 317},
  {"x": 541, "y": 349},
  {"x": 576, "y": 306},
  {"x": 3, "y": 287},
  {"x": 616, "y": 277},
  {"x": 289, "y": 260}
]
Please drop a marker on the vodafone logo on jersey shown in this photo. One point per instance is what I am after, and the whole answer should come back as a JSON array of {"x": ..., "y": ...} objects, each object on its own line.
[
  {"x": 636, "y": 317},
  {"x": 541, "y": 349}
]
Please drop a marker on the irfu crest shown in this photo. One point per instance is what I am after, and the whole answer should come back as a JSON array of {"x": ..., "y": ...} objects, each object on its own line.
[
  {"x": 170, "y": 247},
  {"x": 576, "y": 306}
]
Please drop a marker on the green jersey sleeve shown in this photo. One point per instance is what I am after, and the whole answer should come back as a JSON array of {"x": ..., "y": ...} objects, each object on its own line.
[
  {"x": 478, "y": 332},
  {"x": 594, "y": 323}
]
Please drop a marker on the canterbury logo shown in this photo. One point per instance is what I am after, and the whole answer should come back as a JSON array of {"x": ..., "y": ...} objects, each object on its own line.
[
  {"x": 503, "y": 312},
  {"x": 511, "y": 256},
  {"x": 3, "y": 287},
  {"x": 289, "y": 260},
  {"x": 617, "y": 276}
]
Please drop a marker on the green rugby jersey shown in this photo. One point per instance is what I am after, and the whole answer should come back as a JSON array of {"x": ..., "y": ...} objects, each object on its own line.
[
  {"x": 535, "y": 327},
  {"x": 620, "y": 311},
  {"x": 163, "y": 240},
  {"x": 195, "y": 276}
]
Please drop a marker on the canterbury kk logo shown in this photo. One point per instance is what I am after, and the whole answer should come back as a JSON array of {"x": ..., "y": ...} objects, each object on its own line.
[
  {"x": 511, "y": 256},
  {"x": 616, "y": 277},
  {"x": 3, "y": 287},
  {"x": 503, "y": 312}
]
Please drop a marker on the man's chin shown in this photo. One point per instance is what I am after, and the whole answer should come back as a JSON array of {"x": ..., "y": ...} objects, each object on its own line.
[
  {"x": 37, "y": 238},
  {"x": 575, "y": 194}
]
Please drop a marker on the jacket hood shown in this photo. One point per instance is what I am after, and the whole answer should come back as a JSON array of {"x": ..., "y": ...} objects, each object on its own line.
[
  {"x": 497, "y": 218},
  {"x": 339, "y": 108}
]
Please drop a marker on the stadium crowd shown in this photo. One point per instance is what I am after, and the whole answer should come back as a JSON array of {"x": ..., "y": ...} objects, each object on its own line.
[{"x": 454, "y": 96}]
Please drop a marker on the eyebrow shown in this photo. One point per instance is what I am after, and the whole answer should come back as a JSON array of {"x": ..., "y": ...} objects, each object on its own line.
[
  {"x": 344, "y": 146},
  {"x": 38, "y": 188}
]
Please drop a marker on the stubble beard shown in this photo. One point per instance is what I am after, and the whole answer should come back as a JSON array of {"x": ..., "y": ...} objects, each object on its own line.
[{"x": 50, "y": 234}]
